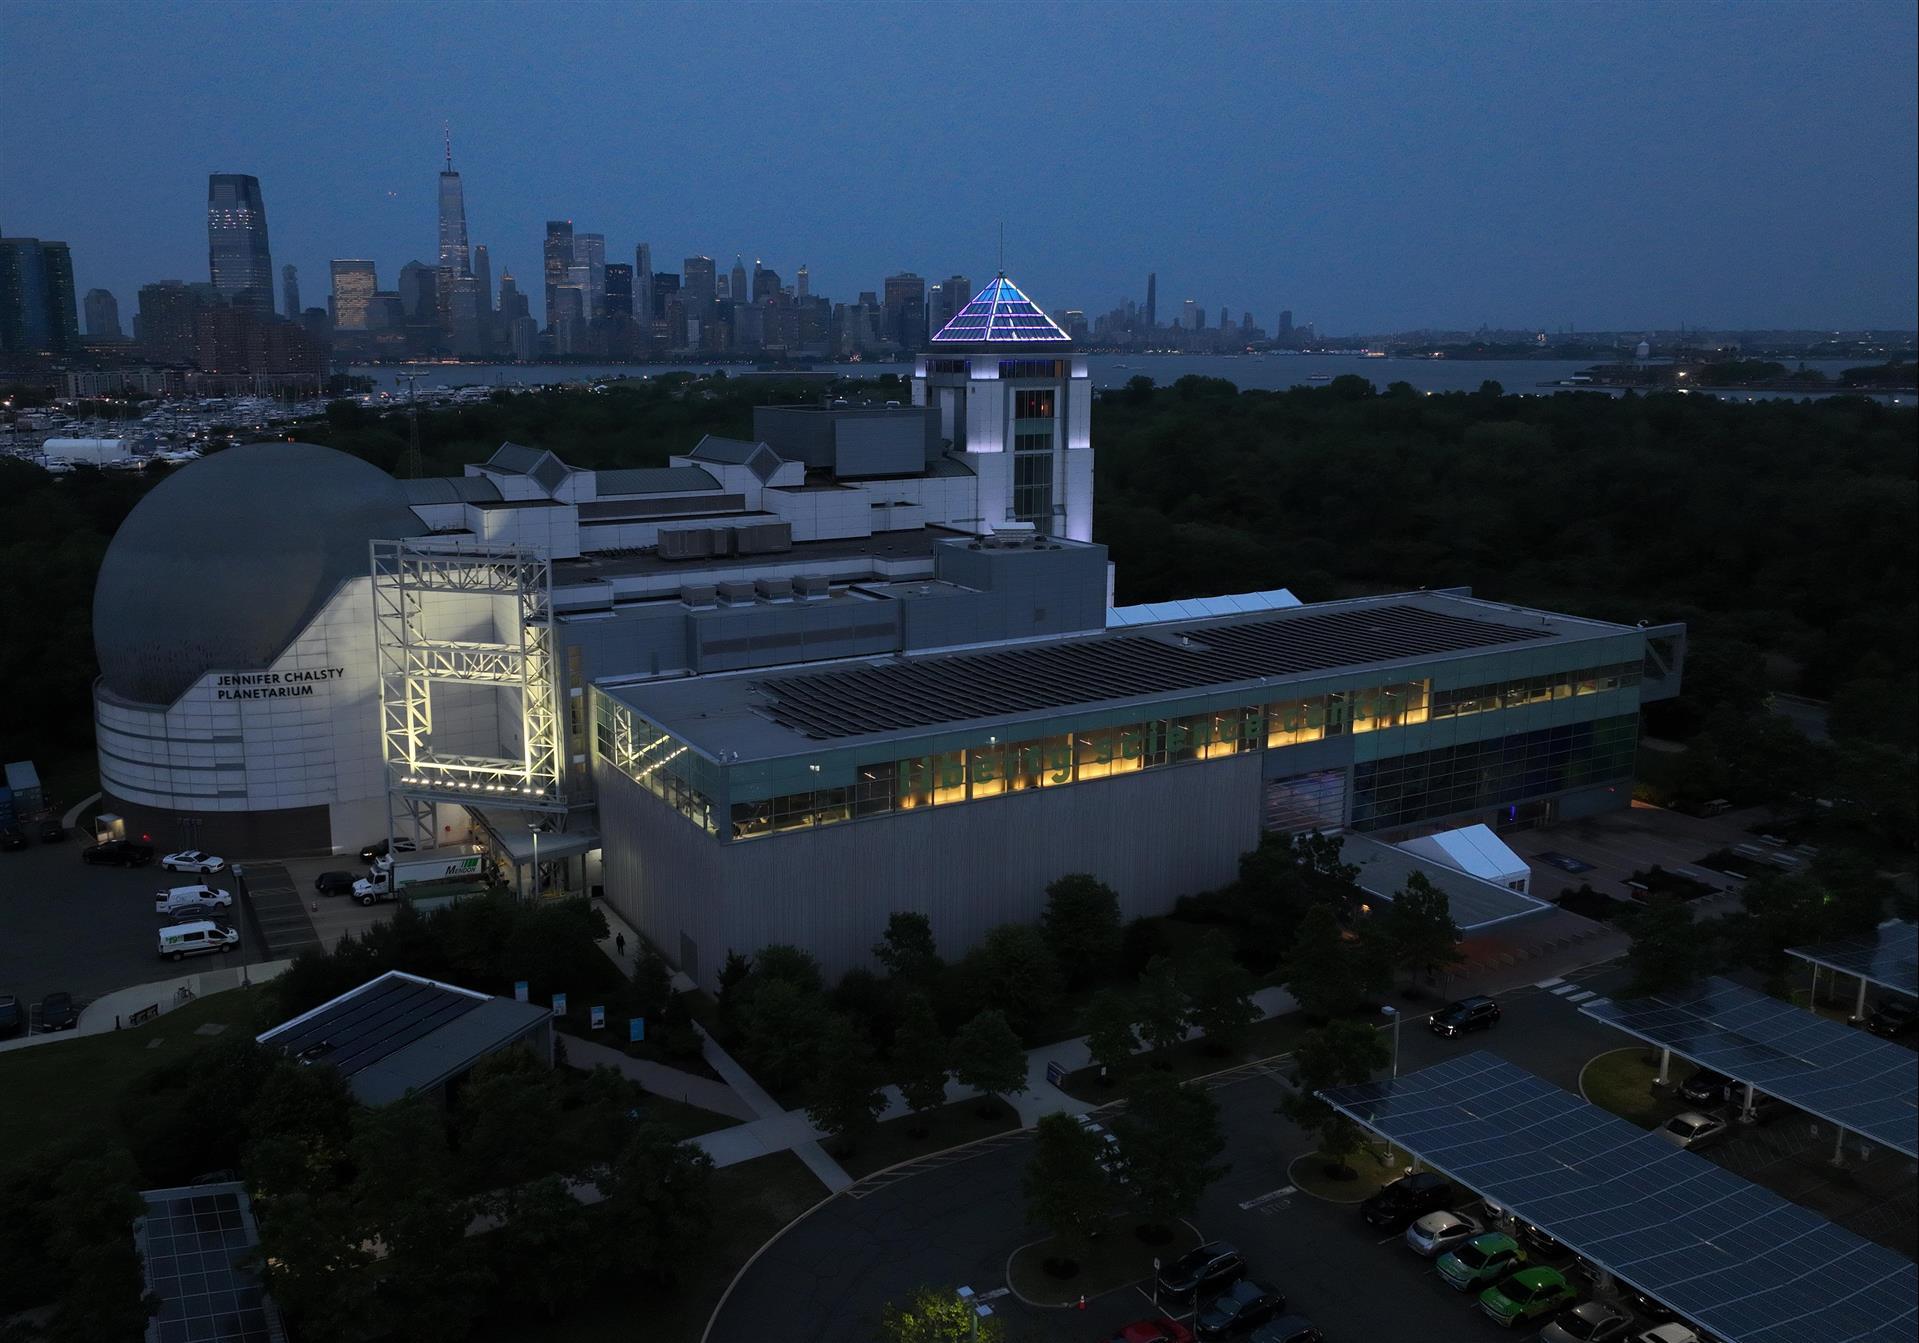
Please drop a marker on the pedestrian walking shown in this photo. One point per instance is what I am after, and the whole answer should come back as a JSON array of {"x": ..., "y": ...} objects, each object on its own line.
[{"x": 619, "y": 943}]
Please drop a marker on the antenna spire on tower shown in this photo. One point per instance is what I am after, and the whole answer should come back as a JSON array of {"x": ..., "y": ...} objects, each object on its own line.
[
  {"x": 447, "y": 127},
  {"x": 1002, "y": 249}
]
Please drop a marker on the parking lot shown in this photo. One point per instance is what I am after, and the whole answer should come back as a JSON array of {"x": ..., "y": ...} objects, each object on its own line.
[{"x": 66, "y": 926}]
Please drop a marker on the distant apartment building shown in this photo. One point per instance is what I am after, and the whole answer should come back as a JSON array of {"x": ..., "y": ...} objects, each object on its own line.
[
  {"x": 354, "y": 284},
  {"x": 37, "y": 313},
  {"x": 103, "y": 315}
]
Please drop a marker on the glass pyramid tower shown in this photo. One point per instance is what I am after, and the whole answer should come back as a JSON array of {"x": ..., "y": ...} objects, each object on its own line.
[{"x": 1000, "y": 315}]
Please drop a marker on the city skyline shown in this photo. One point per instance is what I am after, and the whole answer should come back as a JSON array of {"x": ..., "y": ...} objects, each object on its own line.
[{"x": 1374, "y": 193}]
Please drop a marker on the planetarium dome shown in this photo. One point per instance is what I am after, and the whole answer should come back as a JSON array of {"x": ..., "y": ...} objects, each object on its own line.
[{"x": 228, "y": 559}]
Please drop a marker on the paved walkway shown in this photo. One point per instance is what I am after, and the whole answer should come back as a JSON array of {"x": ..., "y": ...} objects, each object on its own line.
[
  {"x": 110, "y": 1011},
  {"x": 660, "y": 1079}
]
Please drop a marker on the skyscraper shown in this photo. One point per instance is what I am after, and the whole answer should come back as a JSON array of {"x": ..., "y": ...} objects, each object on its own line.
[
  {"x": 766, "y": 284},
  {"x": 589, "y": 250},
  {"x": 619, "y": 290},
  {"x": 905, "y": 306},
  {"x": 643, "y": 309},
  {"x": 558, "y": 255},
  {"x": 512, "y": 302},
  {"x": 163, "y": 325},
  {"x": 354, "y": 284},
  {"x": 290, "y": 292},
  {"x": 238, "y": 259},
  {"x": 802, "y": 283},
  {"x": 453, "y": 254},
  {"x": 103, "y": 315},
  {"x": 36, "y": 298},
  {"x": 1152, "y": 300},
  {"x": 1192, "y": 317},
  {"x": 699, "y": 288},
  {"x": 483, "y": 277},
  {"x": 739, "y": 280}
]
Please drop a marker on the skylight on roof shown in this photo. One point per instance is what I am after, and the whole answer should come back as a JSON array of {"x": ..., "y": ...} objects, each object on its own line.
[{"x": 1000, "y": 313}]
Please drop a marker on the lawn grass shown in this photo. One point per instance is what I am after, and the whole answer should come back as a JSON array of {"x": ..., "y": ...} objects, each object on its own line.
[
  {"x": 948, "y": 1126},
  {"x": 682, "y": 1120},
  {"x": 754, "y": 1200},
  {"x": 1117, "y": 1258},
  {"x": 1369, "y": 1165},
  {"x": 1264, "y": 1039},
  {"x": 72, "y": 1088},
  {"x": 1621, "y": 1081}
]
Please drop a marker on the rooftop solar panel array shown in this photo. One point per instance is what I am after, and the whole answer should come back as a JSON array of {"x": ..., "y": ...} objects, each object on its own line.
[
  {"x": 196, "y": 1242},
  {"x": 1887, "y": 956},
  {"x": 921, "y": 692},
  {"x": 1734, "y": 1258},
  {"x": 361, "y": 1028},
  {"x": 1855, "y": 1080}
]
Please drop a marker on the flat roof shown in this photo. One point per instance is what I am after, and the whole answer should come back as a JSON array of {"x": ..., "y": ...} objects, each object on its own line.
[
  {"x": 1843, "y": 1075},
  {"x": 1730, "y": 1256},
  {"x": 401, "y": 1033},
  {"x": 916, "y": 544},
  {"x": 764, "y": 714},
  {"x": 1474, "y": 902},
  {"x": 1888, "y": 956},
  {"x": 197, "y": 1244}
]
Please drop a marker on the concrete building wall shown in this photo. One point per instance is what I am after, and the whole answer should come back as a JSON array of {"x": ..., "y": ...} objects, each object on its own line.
[{"x": 1152, "y": 837}]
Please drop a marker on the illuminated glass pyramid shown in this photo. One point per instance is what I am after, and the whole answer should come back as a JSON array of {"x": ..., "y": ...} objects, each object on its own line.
[{"x": 1000, "y": 315}]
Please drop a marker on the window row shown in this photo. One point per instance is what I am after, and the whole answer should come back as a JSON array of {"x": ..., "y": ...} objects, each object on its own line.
[
  {"x": 1535, "y": 689},
  {"x": 1475, "y": 776}
]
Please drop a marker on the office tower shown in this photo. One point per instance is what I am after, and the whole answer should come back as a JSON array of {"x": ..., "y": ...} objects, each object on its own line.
[
  {"x": 739, "y": 280},
  {"x": 1285, "y": 324},
  {"x": 453, "y": 253},
  {"x": 905, "y": 307},
  {"x": 803, "y": 282},
  {"x": 163, "y": 323},
  {"x": 589, "y": 250},
  {"x": 698, "y": 290},
  {"x": 619, "y": 290},
  {"x": 385, "y": 311},
  {"x": 354, "y": 284},
  {"x": 523, "y": 336},
  {"x": 1246, "y": 323},
  {"x": 103, "y": 315},
  {"x": 1152, "y": 300},
  {"x": 954, "y": 292},
  {"x": 420, "y": 292},
  {"x": 1190, "y": 316},
  {"x": 1225, "y": 320},
  {"x": 238, "y": 260},
  {"x": 579, "y": 275},
  {"x": 290, "y": 292},
  {"x": 37, "y": 314},
  {"x": 513, "y": 304},
  {"x": 766, "y": 284},
  {"x": 557, "y": 255},
  {"x": 666, "y": 285},
  {"x": 483, "y": 278},
  {"x": 569, "y": 317},
  {"x": 643, "y": 309}
]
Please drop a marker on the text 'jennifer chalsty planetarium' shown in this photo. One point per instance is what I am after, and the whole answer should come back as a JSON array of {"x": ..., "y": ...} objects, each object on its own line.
[{"x": 779, "y": 688}]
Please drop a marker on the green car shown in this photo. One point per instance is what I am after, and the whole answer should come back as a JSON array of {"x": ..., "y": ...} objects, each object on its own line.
[
  {"x": 1483, "y": 1259},
  {"x": 1528, "y": 1294}
]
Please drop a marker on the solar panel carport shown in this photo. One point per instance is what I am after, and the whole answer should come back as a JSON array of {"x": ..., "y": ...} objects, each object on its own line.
[
  {"x": 1734, "y": 1258},
  {"x": 1857, "y": 1081},
  {"x": 1887, "y": 956}
]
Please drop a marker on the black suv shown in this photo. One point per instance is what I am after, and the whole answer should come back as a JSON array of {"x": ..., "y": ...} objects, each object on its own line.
[
  {"x": 1707, "y": 1088},
  {"x": 334, "y": 883},
  {"x": 1468, "y": 1014},
  {"x": 1407, "y": 1199},
  {"x": 1893, "y": 1017},
  {"x": 118, "y": 853},
  {"x": 1210, "y": 1269},
  {"x": 58, "y": 1013}
]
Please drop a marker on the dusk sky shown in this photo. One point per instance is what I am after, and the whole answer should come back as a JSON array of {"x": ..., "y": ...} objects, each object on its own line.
[{"x": 1376, "y": 166}]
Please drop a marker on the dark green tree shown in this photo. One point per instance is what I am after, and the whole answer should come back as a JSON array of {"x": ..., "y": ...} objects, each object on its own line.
[
  {"x": 1067, "y": 1191},
  {"x": 659, "y": 1207},
  {"x": 1219, "y": 992},
  {"x": 1169, "y": 1139},
  {"x": 1339, "y": 1053},
  {"x": 1108, "y": 1020},
  {"x": 405, "y": 1197},
  {"x": 537, "y": 1248},
  {"x": 1082, "y": 927},
  {"x": 783, "y": 1028},
  {"x": 987, "y": 1056},
  {"x": 1668, "y": 951},
  {"x": 1013, "y": 972},
  {"x": 907, "y": 949},
  {"x": 921, "y": 1059},
  {"x": 507, "y": 1096},
  {"x": 90, "y": 1217},
  {"x": 1418, "y": 930},
  {"x": 844, "y": 1098},
  {"x": 1328, "y": 974},
  {"x": 937, "y": 1315},
  {"x": 1160, "y": 1007}
]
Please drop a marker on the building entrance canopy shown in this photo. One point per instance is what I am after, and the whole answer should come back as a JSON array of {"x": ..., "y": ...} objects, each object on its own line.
[{"x": 1732, "y": 1257}]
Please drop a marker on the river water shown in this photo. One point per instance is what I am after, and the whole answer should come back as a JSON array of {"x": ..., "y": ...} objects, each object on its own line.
[{"x": 1263, "y": 371}]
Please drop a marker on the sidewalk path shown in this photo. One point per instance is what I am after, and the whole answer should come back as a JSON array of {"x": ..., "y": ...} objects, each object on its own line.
[
  {"x": 110, "y": 1011},
  {"x": 661, "y": 1080}
]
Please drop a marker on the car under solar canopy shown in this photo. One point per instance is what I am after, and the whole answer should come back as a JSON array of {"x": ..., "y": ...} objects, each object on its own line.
[{"x": 1734, "y": 1258}]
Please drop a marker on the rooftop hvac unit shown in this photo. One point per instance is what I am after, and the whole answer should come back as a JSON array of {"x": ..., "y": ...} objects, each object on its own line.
[
  {"x": 774, "y": 589},
  {"x": 699, "y": 596},
  {"x": 686, "y": 543},
  {"x": 736, "y": 594},
  {"x": 812, "y": 587},
  {"x": 724, "y": 540},
  {"x": 764, "y": 538}
]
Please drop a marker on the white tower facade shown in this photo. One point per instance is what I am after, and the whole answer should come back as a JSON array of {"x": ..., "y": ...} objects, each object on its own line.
[{"x": 1017, "y": 403}]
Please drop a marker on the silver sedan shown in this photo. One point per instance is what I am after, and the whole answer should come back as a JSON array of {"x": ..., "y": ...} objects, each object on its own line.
[
  {"x": 1438, "y": 1232},
  {"x": 1587, "y": 1322}
]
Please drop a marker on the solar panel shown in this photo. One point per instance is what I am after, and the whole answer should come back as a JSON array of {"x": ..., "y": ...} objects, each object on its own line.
[
  {"x": 360, "y": 1028},
  {"x": 195, "y": 1243},
  {"x": 1732, "y": 1257},
  {"x": 920, "y": 692},
  {"x": 1888, "y": 957},
  {"x": 1846, "y": 1076}
]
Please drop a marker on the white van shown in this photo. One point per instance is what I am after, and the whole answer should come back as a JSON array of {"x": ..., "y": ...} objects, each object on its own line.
[
  {"x": 190, "y": 900},
  {"x": 185, "y": 939}
]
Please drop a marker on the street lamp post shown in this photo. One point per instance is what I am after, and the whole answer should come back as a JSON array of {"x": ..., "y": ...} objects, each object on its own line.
[
  {"x": 534, "y": 826},
  {"x": 1394, "y": 1013},
  {"x": 240, "y": 880}
]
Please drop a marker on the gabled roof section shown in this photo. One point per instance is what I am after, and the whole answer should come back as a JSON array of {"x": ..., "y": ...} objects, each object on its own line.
[
  {"x": 515, "y": 459},
  {"x": 764, "y": 463},
  {"x": 1001, "y": 315},
  {"x": 450, "y": 490},
  {"x": 725, "y": 451},
  {"x": 652, "y": 480}
]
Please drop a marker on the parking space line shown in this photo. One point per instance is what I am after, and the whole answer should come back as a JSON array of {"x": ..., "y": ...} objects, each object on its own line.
[
  {"x": 1262, "y": 1199},
  {"x": 1580, "y": 996},
  {"x": 1599, "y": 1002},
  {"x": 1548, "y": 983},
  {"x": 1565, "y": 988}
]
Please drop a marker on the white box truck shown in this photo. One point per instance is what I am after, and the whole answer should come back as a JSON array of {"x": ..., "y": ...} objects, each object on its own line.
[{"x": 386, "y": 882}]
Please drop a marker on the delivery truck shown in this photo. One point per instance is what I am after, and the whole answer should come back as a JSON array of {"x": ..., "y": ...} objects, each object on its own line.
[{"x": 385, "y": 882}]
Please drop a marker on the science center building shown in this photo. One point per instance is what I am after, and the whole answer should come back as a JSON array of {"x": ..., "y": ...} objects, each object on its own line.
[{"x": 777, "y": 689}]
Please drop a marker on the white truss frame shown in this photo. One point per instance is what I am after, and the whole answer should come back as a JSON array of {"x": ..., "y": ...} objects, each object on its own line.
[{"x": 405, "y": 575}]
